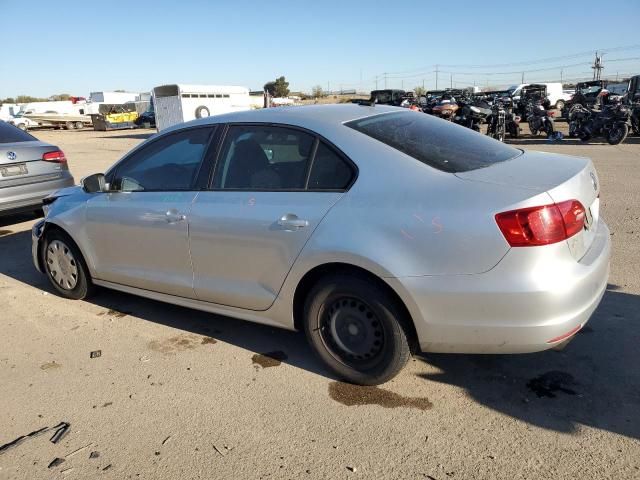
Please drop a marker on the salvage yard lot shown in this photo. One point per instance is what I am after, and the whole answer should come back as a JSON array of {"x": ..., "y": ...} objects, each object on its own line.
[{"x": 184, "y": 394}]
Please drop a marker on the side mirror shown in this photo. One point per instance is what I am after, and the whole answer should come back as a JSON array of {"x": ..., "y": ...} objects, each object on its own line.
[{"x": 94, "y": 183}]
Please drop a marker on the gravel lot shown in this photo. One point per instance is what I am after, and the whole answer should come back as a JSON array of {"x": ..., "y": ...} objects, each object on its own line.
[{"x": 183, "y": 394}]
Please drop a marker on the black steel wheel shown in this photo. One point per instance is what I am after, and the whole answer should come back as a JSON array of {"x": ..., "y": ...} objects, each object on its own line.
[{"x": 356, "y": 328}]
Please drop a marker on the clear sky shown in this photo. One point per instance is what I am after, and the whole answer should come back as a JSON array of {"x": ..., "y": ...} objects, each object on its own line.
[{"x": 81, "y": 46}]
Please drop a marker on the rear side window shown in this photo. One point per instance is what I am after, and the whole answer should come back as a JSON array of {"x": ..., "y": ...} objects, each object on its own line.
[
  {"x": 329, "y": 171},
  {"x": 11, "y": 134},
  {"x": 439, "y": 144}
]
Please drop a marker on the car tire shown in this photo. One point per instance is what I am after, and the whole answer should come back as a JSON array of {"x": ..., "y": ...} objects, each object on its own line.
[
  {"x": 357, "y": 329},
  {"x": 559, "y": 105},
  {"x": 22, "y": 126},
  {"x": 202, "y": 112},
  {"x": 79, "y": 125},
  {"x": 65, "y": 267}
]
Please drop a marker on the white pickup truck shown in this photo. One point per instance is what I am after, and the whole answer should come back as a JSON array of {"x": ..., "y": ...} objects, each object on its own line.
[
  {"x": 557, "y": 97},
  {"x": 22, "y": 122}
]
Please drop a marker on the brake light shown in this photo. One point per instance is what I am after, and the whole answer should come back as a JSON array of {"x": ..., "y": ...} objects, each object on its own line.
[
  {"x": 57, "y": 156},
  {"x": 543, "y": 225}
]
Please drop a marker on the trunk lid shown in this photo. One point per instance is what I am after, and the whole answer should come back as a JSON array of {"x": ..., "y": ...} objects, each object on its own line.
[
  {"x": 21, "y": 163},
  {"x": 563, "y": 177}
]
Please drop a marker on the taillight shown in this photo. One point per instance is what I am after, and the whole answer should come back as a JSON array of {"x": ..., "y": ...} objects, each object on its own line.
[
  {"x": 57, "y": 156},
  {"x": 528, "y": 227}
]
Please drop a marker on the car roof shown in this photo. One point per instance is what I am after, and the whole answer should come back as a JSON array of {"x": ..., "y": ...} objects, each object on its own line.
[{"x": 309, "y": 116}]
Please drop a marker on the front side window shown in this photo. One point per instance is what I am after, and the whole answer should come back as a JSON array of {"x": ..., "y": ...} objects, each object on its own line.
[
  {"x": 170, "y": 163},
  {"x": 255, "y": 157},
  {"x": 437, "y": 143}
]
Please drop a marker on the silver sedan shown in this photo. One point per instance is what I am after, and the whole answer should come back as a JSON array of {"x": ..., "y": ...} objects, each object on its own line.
[
  {"x": 29, "y": 170},
  {"x": 377, "y": 231}
]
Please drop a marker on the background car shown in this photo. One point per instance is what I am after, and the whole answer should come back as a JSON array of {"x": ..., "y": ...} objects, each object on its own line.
[
  {"x": 376, "y": 230},
  {"x": 29, "y": 170}
]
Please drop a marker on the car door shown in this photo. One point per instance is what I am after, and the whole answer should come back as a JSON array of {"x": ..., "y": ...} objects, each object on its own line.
[
  {"x": 271, "y": 188},
  {"x": 138, "y": 231}
]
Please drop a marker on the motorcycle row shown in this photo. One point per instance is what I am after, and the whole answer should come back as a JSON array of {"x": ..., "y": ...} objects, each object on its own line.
[{"x": 593, "y": 111}]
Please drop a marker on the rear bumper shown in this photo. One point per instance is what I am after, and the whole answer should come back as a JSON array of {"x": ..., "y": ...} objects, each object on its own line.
[
  {"x": 29, "y": 197},
  {"x": 519, "y": 306}
]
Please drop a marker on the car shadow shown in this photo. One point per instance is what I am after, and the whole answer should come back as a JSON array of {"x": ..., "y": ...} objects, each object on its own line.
[
  {"x": 594, "y": 381},
  {"x": 260, "y": 339}
]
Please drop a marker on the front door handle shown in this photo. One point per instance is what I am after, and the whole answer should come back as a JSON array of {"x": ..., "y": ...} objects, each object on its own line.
[
  {"x": 291, "y": 221},
  {"x": 173, "y": 216}
]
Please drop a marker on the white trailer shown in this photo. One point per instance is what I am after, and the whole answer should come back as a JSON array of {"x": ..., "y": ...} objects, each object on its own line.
[
  {"x": 180, "y": 103},
  {"x": 114, "y": 97}
]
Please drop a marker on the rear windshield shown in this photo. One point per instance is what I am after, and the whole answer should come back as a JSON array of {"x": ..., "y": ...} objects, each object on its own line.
[
  {"x": 11, "y": 134},
  {"x": 437, "y": 143}
]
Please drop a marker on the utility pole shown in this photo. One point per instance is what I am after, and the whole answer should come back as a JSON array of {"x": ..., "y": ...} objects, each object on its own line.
[
  {"x": 376, "y": 77},
  {"x": 328, "y": 87},
  {"x": 598, "y": 66},
  {"x": 561, "y": 75},
  {"x": 436, "y": 77},
  {"x": 522, "y": 78},
  {"x": 385, "y": 79},
  {"x": 402, "y": 84},
  {"x": 423, "y": 83},
  {"x": 451, "y": 81}
]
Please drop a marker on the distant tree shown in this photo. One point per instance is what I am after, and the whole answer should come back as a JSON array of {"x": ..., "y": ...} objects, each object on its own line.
[
  {"x": 317, "y": 92},
  {"x": 60, "y": 97},
  {"x": 281, "y": 87},
  {"x": 278, "y": 88},
  {"x": 420, "y": 91},
  {"x": 8, "y": 100},
  {"x": 271, "y": 88},
  {"x": 29, "y": 98}
]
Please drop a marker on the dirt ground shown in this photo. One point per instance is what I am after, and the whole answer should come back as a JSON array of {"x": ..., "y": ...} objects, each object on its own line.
[{"x": 182, "y": 394}]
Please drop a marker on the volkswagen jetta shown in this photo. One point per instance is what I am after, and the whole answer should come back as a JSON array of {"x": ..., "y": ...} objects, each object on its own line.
[{"x": 377, "y": 231}]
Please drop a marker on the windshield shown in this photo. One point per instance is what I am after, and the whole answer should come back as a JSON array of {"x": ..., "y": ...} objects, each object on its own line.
[{"x": 434, "y": 142}]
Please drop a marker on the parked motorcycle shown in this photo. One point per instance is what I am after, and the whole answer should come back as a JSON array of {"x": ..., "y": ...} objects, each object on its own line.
[
  {"x": 502, "y": 120},
  {"x": 446, "y": 108},
  {"x": 635, "y": 118},
  {"x": 539, "y": 119},
  {"x": 472, "y": 113},
  {"x": 610, "y": 123}
]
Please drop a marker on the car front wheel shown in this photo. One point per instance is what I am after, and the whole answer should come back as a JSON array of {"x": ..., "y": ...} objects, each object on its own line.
[
  {"x": 357, "y": 329},
  {"x": 65, "y": 266}
]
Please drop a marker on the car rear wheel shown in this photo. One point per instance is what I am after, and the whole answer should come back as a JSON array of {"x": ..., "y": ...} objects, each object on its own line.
[
  {"x": 356, "y": 328},
  {"x": 65, "y": 266}
]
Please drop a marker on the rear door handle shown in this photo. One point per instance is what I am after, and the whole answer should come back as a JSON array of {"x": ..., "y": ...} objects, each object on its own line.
[
  {"x": 291, "y": 221},
  {"x": 173, "y": 216}
]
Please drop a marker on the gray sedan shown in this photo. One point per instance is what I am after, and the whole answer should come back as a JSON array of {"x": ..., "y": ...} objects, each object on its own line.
[
  {"x": 377, "y": 231},
  {"x": 29, "y": 170}
]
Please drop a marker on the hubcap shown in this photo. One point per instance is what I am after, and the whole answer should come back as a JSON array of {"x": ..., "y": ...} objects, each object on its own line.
[
  {"x": 352, "y": 331},
  {"x": 62, "y": 266}
]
